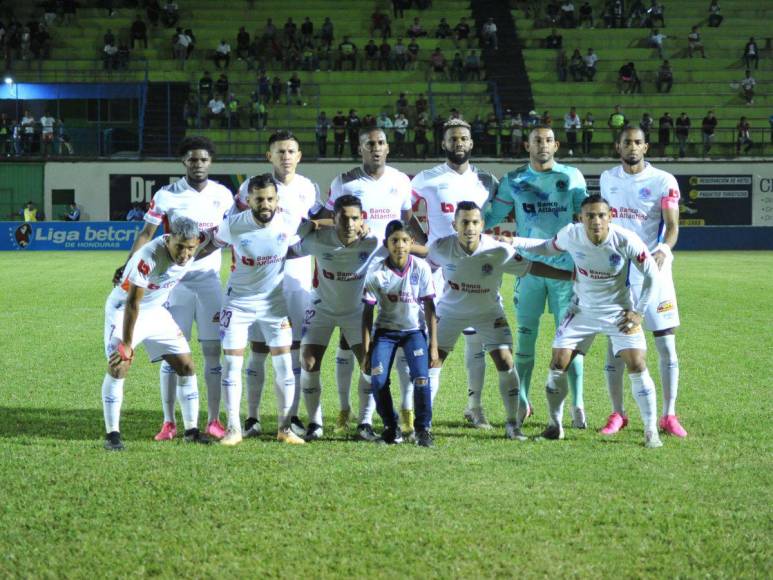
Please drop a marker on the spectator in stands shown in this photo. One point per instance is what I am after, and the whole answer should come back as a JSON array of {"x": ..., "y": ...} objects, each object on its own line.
[
  {"x": 320, "y": 132},
  {"x": 546, "y": 119},
  {"x": 385, "y": 58},
  {"x": 628, "y": 81},
  {"x": 353, "y": 124},
  {"x": 438, "y": 63},
  {"x": 462, "y": 32},
  {"x": 567, "y": 16},
  {"x": 586, "y": 15},
  {"x": 258, "y": 114},
  {"x": 587, "y": 133},
  {"x": 664, "y": 78},
  {"x": 180, "y": 48},
  {"x": 30, "y": 212},
  {"x": 371, "y": 55},
  {"x": 6, "y": 132},
  {"x": 637, "y": 14},
  {"x": 401, "y": 105},
  {"x": 153, "y": 12},
  {"x": 290, "y": 30},
  {"x": 554, "y": 40},
  {"x": 562, "y": 65},
  {"x": 398, "y": 8},
  {"x": 109, "y": 56},
  {"x": 416, "y": 30},
  {"x": 232, "y": 111},
  {"x": 747, "y": 86},
  {"x": 206, "y": 86},
  {"x": 682, "y": 132},
  {"x": 618, "y": 14},
  {"x": 307, "y": 29},
  {"x": 443, "y": 29},
  {"x": 216, "y": 109},
  {"x": 139, "y": 31},
  {"x": 413, "y": 54},
  {"x": 457, "y": 68},
  {"x": 488, "y": 35},
  {"x": 708, "y": 127},
  {"x": 222, "y": 54},
  {"x": 655, "y": 40},
  {"x": 384, "y": 122},
  {"x": 421, "y": 105},
  {"x": 665, "y": 124},
  {"x": 222, "y": 85},
  {"x": 770, "y": 122},
  {"x": 73, "y": 213},
  {"x": 294, "y": 90},
  {"x": 136, "y": 213},
  {"x": 491, "y": 138},
  {"x": 616, "y": 122},
  {"x": 744, "y": 133},
  {"x": 41, "y": 43},
  {"x": 553, "y": 12},
  {"x": 47, "y": 123},
  {"x": 380, "y": 24},
  {"x": 516, "y": 135},
  {"x": 400, "y": 54},
  {"x": 339, "y": 133},
  {"x": 368, "y": 121},
  {"x": 420, "y": 141},
  {"x": 191, "y": 111},
  {"x": 109, "y": 37},
  {"x": 347, "y": 52},
  {"x": 276, "y": 90},
  {"x": 645, "y": 124},
  {"x": 532, "y": 120},
  {"x": 123, "y": 56},
  {"x": 170, "y": 14},
  {"x": 242, "y": 43},
  {"x": 656, "y": 14},
  {"x": 572, "y": 124},
  {"x": 472, "y": 66},
  {"x": 326, "y": 32},
  {"x": 694, "y": 42},
  {"x": 751, "y": 54},
  {"x": 590, "y": 60},
  {"x": 715, "y": 18}
]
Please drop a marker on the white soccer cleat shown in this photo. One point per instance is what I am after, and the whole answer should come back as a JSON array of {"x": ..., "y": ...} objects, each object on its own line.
[
  {"x": 232, "y": 437},
  {"x": 578, "y": 418},
  {"x": 513, "y": 432},
  {"x": 652, "y": 440},
  {"x": 477, "y": 418}
]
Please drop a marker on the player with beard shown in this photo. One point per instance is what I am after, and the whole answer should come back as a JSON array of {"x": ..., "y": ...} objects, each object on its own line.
[
  {"x": 545, "y": 196},
  {"x": 645, "y": 200},
  {"x": 199, "y": 294},
  {"x": 440, "y": 190}
]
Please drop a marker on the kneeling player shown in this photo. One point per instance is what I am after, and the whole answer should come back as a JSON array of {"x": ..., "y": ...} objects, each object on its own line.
[
  {"x": 602, "y": 304},
  {"x": 402, "y": 287},
  {"x": 135, "y": 313},
  {"x": 473, "y": 265}
]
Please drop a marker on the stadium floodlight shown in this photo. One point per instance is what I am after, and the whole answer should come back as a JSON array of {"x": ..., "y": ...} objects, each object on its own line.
[{"x": 8, "y": 80}]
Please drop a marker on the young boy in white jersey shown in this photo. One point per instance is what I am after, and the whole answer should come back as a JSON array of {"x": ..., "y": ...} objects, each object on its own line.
[
  {"x": 343, "y": 259},
  {"x": 299, "y": 198},
  {"x": 385, "y": 194},
  {"x": 402, "y": 287},
  {"x": 473, "y": 265},
  {"x": 440, "y": 189},
  {"x": 199, "y": 295},
  {"x": 135, "y": 314},
  {"x": 645, "y": 200},
  {"x": 259, "y": 239},
  {"x": 602, "y": 304}
]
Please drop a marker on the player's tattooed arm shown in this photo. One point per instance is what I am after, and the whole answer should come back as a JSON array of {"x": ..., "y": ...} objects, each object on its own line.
[
  {"x": 125, "y": 353},
  {"x": 416, "y": 230},
  {"x": 367, "y": 344},
  {"x": 545, "y": 271},
  {"x": 145, "y": 235}
]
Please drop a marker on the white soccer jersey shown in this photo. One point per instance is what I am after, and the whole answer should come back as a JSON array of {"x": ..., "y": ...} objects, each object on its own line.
[
  {"x": 296, "y": 199},
  {"x": 259, "y": 253},
  {"x": 341, "y": 270},
  {"x": 383, "y": 199},
  {"x": 473, "y": 280},
  {"x": 601, "y": 282},
  {"x": 440, "y": 190},
  {"x": 399, "y": 294},
  {"x": 206, "y": 207},
  {"x": 636, "y": 201},
  {"x": 152, "y": 268}
]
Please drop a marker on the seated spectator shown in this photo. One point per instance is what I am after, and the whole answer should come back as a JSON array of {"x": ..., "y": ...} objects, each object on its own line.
[
  {"x": 715, "y": 18},
  {"x": 380, "y": 24},
  {"x": 744, "y": 133},
  {"x": 347, "y": 52},
  {"x": 438, "y": 63},
  {"x": 462, "y": 32},
  {"x": 416, "y": 30},
  {"x": 109, "y": 52},
  {"x": 290, "y": 30},
  {"x": 747, "y": 86},
  {"x": 222, "y": 54},
  {"x": 443, "y": 29},
  {"x": 222, "y": 85},
  {"x": 637, "y": 14},
  {"x": 413, "y": 54},
  {"x": 626, "y": 78},
  {"x": 472, "y": 66},
  {"x": 555, "y": 40},
  {"x": 73, "y": 213},
  {"x": 371, "y": 55},
  {"x": 232, "y": 111},
  {"x": 242, "y": 44},
  {"x": 586, "y": 15},
  {"x": 694, "y": 42},
  {"x": 590, "y": 61},
  {"x": 294, "y": 90},
  {"x": 276, "y": 90},
  {"x": 136, "y": 213},
  {"x": 385, "y": 56},
  {"x": 751, "y": 54},
  {"x": 206, "y": 85},
  {"x": 216, "y": 109},
  {"x": 307, "y": 30},
  {"x": 326, "y": 33},
  {"x": 576, "y": 66},
  {"x": 655, "y": 40},
  {"x": 488, "y": 34},
  {"x": 170, "y": 14},
  {"x": 567, "y": 17},
  {"x": 153, "y": 12},
  {"x": 664, "y": 78},
  {"x": 457, "y": 67}
]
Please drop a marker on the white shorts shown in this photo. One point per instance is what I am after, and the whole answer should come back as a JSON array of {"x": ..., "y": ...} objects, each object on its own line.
[
  {"x": 198, "y": 298},
  {"x": 155, "y": 329},
  {"x": 662, "y": 312},
  {"x": 493, "y": 332},
  {"x": 578, "y": 329},
  {"x": 318, "y": 326},
  {"x": 440, "y": 284},
  {"x": 240, "y": 315},
  {"x": 297, "y": 301}
]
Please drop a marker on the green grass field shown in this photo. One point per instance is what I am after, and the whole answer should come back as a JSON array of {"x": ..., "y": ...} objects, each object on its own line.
[{"x": 475, "y": 506}]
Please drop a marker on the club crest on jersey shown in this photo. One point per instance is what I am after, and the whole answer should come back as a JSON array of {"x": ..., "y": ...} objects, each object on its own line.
[
  {"x": 529, "y": 208},
  {"x": 281, "y": 237},
  {"x": 244, "y": 242},
  {"x": 363, "y": 256},
  {"x": 414, "y": 278},
  {"x": 562, "y": 185},
  {"x": 645, "y": 193},
  {"x": 486, "y": 269},
  {"x": 615, "y": 259}
]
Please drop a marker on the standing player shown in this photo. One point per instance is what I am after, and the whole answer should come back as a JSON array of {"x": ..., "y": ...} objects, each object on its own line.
[
  {"x": 441, "y": 189},
  {"x": 473, "y": 265},
  {"x": 343, "y": 258},
  {"x": 135, "y": 313},
  {"x": 297, "y": 198},
  {"x": 545, "y": 196},
  {"x": 385, "y": 194},
  {"x": 199, "y": 295},
  {"x": 603, "y": 254},
  {"x": 645, "y": 200},
  {"x": 255, "y": 297},
  {"x": 402, "y": 287}
]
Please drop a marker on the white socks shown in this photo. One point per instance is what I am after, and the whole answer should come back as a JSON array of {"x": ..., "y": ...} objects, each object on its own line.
[
  {"x": 434, "y": 383},
  {"x": 669, "y": 371},
  {"x": 644, "y": 392},
  {"x": 508, "y": 388},
  {"x": 344, "y": 372},
  {"x": 168, "y": 381},
  {"x": 367, "y": 401},
  {"x": 614, "y": 369},
  {"x": 312, "y": 392},
  {"x": 255, "y": 378},
  {"x": 556, "y": 389},
  {"x": 406, "y": 385},
  {"x": 112, "y": 397},
  {"x": 284, "y": 387},
  {"x": 232, "y": 388},
  {"x": 188, "y": 395},
  {"x": 211, "y": 351},
  {"x": 475, "y": 363}
]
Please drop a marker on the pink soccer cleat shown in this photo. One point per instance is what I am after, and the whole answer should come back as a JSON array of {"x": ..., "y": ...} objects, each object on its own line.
[
  {"x": 670, "y": 424},
  {"x": 615, "y": 423},
  {"x": 215, "y": 429},
  {"x": 167, "y": 433}
]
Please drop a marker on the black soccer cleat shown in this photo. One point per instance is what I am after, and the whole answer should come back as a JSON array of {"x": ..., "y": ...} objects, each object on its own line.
[
  {"x": 365, "y": 433},
  {"x": 113, "y": 441},
  {"x": 392, "y": 435},
  {"x": 297, "y": 426},
  {"x": 424, "y": 439},
  {"x": 196, "y": 436}
]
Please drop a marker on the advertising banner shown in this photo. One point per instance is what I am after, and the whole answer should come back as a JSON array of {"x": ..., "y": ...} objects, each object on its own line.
[{"x": 68, "y": 235}]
